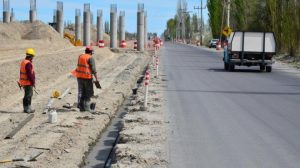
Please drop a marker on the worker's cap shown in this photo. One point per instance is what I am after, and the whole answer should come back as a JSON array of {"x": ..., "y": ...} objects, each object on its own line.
[
  {"x": 89, "y": 49},
  {"x": 30, "y": 52}
]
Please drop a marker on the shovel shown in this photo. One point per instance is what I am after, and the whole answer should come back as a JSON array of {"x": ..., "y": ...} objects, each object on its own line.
[
  {"x": 11, "y": 160},
  {"x": 97, "y": 84}
]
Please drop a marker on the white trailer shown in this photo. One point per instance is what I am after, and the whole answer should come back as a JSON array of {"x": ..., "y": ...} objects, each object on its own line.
[{"x": 250, "y": 49}]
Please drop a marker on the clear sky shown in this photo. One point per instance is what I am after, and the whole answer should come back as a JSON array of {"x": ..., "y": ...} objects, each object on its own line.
[{"x": 159, "y": 11}]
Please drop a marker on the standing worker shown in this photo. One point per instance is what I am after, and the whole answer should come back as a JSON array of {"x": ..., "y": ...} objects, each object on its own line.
[
  {"x": 86, "y": 68},
  {"x": 27, "y": 79}
]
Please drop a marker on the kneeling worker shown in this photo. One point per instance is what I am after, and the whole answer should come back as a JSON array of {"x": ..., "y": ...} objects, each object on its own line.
[
  {"x": 84, "y": 72},
  {"x": 27, "y": 79}
]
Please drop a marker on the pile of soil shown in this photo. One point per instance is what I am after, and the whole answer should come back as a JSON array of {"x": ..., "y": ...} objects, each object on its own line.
[
  {"x": 22, "y": 35},
  {"x": 28, "y": 31}
]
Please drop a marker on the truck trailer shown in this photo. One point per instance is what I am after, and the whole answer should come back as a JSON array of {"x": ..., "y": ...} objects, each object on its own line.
[{"x": 250, "y": 49}]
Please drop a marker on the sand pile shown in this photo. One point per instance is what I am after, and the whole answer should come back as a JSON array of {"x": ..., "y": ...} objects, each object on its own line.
[
  {"x": 28, "y": 31},
  {"x": 20, "y": 35}
]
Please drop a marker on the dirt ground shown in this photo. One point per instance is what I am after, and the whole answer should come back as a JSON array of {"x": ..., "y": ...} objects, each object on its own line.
[
  {"x": 64, "y": 143},
  {"x": 143, "y": 138}
]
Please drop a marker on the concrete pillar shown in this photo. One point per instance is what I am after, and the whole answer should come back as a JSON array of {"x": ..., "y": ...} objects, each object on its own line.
[
  {"x": 12, "y": 15},
  {"x": 32, "y": 11},
  {"x": 6, "y": 17},
  {"x": 146, "y": 29},
  {"x": 99, "y": 25},
  {"x": 60, "y": 18},
  {"x": 140, "y": 31},
  {"x": 113, "y": 26},
  {"x": 32, "y": 16},
  {"x": 78, "y": 24},
  {"x": 6, "y": 12},
  {"x": 92, "y": 18},
  {"x": 86, "y": 25},
  {"x": 121, "y": 27},
  {"x": 54, "y": 16}
]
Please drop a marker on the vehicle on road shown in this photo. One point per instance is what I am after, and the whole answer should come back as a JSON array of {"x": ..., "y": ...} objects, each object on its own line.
[
  {"x": 250, "y": 49},
  {"x": 213, "y": 43}
]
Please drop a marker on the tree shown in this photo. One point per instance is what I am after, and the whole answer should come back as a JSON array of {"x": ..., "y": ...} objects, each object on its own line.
[
  {"x": 195, "y": 23},
  {"x": 171, "y": 29},
  {"x": 215, "y": 16},
  {"x": 188, "y": 27}
]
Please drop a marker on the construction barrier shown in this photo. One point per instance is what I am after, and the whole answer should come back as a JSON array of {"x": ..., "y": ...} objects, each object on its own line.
[
  {"x": 147, "y": 78},
  {"x": 101, "y": 44},
  {"x": 123, "y": 44}
]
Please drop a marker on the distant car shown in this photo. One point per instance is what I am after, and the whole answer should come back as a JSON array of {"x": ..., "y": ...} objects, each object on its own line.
[{"x": 213, "y": 43}]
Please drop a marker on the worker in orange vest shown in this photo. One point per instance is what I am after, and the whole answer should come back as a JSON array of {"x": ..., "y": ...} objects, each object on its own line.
[
  {"x": 27, "y": 79},
  {"x": 86, "y": 69}
]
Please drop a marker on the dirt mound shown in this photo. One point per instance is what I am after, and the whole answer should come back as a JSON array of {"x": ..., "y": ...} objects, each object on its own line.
[
  {"x": 21, "y": 35},
  {"x": 39, "y": 30},
  {"x": 28, "y": 31},
  {"x": 12, "y": 31}
]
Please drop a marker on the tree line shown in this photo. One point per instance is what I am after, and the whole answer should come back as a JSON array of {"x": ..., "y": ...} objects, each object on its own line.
[
  {"x": 279, "y": 16},
  {"x": 183, "y": 26}
]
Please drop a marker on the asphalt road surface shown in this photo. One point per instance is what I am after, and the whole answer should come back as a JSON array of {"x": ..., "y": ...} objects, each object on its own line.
[{"x": 219, "y": 119}]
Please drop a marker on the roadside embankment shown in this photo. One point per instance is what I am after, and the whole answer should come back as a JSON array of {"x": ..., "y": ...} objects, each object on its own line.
[
  {"x": 65, "y": 142},
  {"x": 142, "y": 141}
]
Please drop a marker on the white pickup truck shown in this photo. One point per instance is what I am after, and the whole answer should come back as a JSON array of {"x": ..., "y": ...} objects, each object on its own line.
[{"x": 250, "y": 49}]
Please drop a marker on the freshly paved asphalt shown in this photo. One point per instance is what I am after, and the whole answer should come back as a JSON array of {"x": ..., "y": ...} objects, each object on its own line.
[{"x": 219, "y": 119}]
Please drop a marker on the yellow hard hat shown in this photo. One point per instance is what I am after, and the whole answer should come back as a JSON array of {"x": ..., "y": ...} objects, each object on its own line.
[
  {"x": 55, "y": 94},
  {"x": 30, "y": 51}
]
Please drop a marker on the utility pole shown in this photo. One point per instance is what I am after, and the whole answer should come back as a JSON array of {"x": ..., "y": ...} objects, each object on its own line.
[
  {"x": 201, "y": 20},
  {"x": 228, "y": 13}
]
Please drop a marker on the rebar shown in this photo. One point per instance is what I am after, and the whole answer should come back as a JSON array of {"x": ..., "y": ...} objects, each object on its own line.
[
  {"x": 140, "y": 7},
  {"x": 60, "y": 6},
  {"x": 87, "y": 7},
  {"x": 6, "y": 5},
  {"x": 32, "y": 4},
  {"x": 113, "y": 8}
]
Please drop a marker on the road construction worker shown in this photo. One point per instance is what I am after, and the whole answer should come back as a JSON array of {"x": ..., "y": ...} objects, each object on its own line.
[
  {"x": 27, "y": 79},
  {"x": 86, "y": 69}
]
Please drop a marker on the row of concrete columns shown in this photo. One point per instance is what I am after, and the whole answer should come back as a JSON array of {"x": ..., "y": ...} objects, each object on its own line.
[
  {"x": 10, "y": 16},
  {"x": 58, "y": 18}
]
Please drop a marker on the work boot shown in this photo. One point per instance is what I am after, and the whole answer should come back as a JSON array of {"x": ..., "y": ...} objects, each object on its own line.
[
  {"x": 87, "y": 106},
  {"x": 81, "y": 106},
  {"x": 25, "y": 109},
  {"x": 29, "y": 110}
]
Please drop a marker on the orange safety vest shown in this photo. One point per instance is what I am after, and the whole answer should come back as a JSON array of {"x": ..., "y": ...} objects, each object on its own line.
[
  {"x": 24, "y": 81},
  {"x": 83, "y": 69}
]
